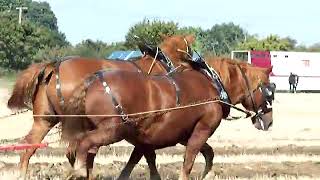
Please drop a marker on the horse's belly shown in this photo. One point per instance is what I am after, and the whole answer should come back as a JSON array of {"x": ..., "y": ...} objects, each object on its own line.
[{"x": 170, "y": 130}]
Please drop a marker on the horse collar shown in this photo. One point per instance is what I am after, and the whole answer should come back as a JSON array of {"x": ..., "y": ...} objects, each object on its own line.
[{"x": 215, "y": 78}]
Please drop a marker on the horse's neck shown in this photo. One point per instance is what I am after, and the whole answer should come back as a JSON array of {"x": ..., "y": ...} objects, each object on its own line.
[{"x": 233, "y": 84}]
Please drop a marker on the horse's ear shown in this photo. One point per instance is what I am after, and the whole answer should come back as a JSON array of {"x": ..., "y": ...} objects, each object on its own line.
[
  {"x": 190, "y": 38},
  {"x": 269, "y": 70}
]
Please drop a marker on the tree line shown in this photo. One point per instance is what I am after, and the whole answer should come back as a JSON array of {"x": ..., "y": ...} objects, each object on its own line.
[{"x": 38, "y": 38}]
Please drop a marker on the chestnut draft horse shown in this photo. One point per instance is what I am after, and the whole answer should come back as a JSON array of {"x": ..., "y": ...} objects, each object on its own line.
[
  {"x": 47, "y": 85},
  {"x": 219, "y": 63},
  {"x": 133, "y": 92}
]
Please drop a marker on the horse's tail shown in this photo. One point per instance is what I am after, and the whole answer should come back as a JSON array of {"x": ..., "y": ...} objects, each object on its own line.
[
  {"x": 72, "y": 128},
  {"x": 25, "y": 87}
]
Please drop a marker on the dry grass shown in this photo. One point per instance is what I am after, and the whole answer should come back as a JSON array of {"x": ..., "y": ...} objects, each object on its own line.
[
  {"x": 265, "y": 178},
  {"x": 168, "y": 158}
]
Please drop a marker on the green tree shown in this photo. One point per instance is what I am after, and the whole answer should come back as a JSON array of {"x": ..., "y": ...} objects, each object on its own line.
[
  {"x": 98, "y": 49},
  {"x": 7, "y": 5},
  {"x": 150, "y": 31},
  {"x": 270, "y": 43},
  {"x": 54, "y": 53},
  {"x": 20, "y": 43},
  {"x": 221, "y": 39},
  {"x": 41, "y": 13},
  {"x": 292, "y": 42},
  {"x": 37, "y": 12}
]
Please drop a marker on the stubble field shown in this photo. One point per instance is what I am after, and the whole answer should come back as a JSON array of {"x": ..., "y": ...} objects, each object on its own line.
[{"x": 291, "y": 150}]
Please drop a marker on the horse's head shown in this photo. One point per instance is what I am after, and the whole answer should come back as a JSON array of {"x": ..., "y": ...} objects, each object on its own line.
[
  {"x": 177, "y": 47},
  {"x": 258, "y": 95}
]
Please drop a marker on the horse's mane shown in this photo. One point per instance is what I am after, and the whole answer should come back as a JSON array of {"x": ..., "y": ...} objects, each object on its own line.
[{"x": 226, "y": 66}]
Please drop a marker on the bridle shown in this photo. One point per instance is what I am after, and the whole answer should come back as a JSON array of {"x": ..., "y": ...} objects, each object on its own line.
[{"x": 266, "y": 106}]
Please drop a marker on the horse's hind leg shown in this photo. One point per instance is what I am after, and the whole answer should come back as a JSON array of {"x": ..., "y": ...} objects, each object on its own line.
[
  {"x": 71, "y": 155},
  {"x": 98, "y": 137},
  {"x": 41, "y": 126}
]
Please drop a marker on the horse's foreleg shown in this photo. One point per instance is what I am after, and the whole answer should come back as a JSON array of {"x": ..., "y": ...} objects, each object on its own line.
[
  {"x": 198, "y": 138},
  {"x": 135, "y": 157},
  {"x": 150, "y": 156},
  {"x": 90, "y": 161},
  {"x": 207, "y": 151},
  {"x": 208, "y": 154}
]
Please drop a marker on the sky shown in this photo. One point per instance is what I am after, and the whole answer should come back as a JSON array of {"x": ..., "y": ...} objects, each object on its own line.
[{"x": 110, "y": 20}]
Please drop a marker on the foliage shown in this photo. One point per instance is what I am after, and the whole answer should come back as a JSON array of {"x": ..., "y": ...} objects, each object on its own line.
[
  {"x": 38, "y": 37},
  {"x": 99, "y": 49},
  {"x": 41, "y": 13},
  {"x": 150, "y": 31},
  {"x": 38, "y": 12},
  {"x": 87, "y": 48},
  {"x": 271, "y": 43},
  {"x": 19, "y": 43},
  {"x": 221, "y": 38}
]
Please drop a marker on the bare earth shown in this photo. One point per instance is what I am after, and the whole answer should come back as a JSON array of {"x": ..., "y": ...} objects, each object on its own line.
[{"x": 291, "y": 150}]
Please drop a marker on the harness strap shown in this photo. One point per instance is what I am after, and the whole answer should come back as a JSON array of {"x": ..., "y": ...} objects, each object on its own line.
[
  {"x": 166, "y": 61},
  {"x": 58, "y": 82},
  {"x": 248, "y": 88},
  {"x": 215, "y": 79},
  {"x": 219, "y": 86},
  {"x": 107, "y": 89},
  {"x": 176, "y": 88}
]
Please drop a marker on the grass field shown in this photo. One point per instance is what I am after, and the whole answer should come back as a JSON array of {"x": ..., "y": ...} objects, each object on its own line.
[{"x": 291, "y": 150}]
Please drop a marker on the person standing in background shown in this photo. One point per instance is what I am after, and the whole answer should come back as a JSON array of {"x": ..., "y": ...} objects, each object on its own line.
[{"x": 293, "y": 82}]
